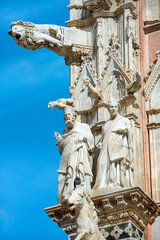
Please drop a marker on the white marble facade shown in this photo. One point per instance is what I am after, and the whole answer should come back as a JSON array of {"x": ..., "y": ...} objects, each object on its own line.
[
  {"x": 103, "y": 65},
  {"x": 102, "y": 142}
]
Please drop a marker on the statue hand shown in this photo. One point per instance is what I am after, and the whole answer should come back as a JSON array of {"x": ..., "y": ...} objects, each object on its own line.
[{"x": 57, "y": 136}]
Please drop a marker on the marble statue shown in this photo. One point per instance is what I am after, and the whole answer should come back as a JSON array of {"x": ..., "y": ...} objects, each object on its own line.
[
  {"x": 75, "y": 147},
  {"x": 86, "y": 215},
  {"x": 114, "y": 164}
]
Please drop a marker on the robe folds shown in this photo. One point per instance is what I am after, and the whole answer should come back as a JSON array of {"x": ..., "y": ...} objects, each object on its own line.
[
  {"x": 74, "y": 148},
  {"x": 115, "y": 161}
]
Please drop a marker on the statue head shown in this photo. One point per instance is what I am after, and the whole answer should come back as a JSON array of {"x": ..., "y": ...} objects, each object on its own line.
[
  {"x": 113, "y": 106},
  {"x": 69, "y": 116}
]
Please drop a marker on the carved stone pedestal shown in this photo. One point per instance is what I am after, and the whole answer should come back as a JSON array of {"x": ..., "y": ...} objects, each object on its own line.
[
  {"x": 126, "y": 230},
  {"x": 123, "y": 214}
]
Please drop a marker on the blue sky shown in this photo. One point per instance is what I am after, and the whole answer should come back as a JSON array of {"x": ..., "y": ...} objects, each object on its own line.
[{"x": 29, "y": 157}]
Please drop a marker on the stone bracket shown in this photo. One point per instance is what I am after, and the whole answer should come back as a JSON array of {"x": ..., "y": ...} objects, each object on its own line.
[{"x": 129, "y": 204}]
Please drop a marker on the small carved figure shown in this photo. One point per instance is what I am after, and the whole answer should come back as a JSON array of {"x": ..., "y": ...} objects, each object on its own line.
[
  {"x": 35, "y": 36},
  {"x": 92, "y": 90},
  {"x": 136, "y": 84},
  {"x": 75, "y": 146},
  {"x": 61, "y": 103},
  {"x": 115, "y": 163},
  {"x": 86, "y": 215}
]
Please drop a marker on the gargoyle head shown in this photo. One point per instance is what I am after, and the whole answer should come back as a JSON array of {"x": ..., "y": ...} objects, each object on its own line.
[
  {"x": 17, "y": 32},
  {"x": 22, "y": 34}
]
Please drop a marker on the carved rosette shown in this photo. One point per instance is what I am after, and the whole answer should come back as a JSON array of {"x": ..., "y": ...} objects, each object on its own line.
[
  {"x": 94, "y": 5},
  {"x": 126, "y": 230},
  {"x": 130, "y": 204}
]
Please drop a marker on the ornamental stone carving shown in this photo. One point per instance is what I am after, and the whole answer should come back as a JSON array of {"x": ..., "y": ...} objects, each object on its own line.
[
  {"x": 115, "y": 163},
  {"x": 103, "y": 140},
  {"x": 75, "y": 146},
  {"x": 55, "y": 38},
  {"x": 109, "y": 210},
  {"x": 86, "y": 215},
  {"x": 94, "y": 5},
  {"x": 33, "y": 36}
]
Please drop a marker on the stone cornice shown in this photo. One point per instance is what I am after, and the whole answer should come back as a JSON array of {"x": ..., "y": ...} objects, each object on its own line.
[
  {"x": 116, "y": 13},
  {"x": 153, "y": 125},
  {"x": 94, "y": 5},
  {"x": 153, "y": 111},
  {"x": 112, "y": 207},
  {"x": 99, "y": 13},
  {"x": 75, "y": 6},
  {"x": 151, "y": 26},
  {"x": 80, "y": 23}
]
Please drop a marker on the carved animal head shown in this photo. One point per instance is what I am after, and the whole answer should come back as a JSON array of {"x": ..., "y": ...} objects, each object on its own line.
[
  {"x": 23, "y": 34},
  {"x": 76, "y": 198},
  {"x": 17, "y": 32}
]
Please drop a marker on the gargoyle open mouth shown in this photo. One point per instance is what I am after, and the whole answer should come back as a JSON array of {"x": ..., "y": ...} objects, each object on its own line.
[{"x": 17, "y": 36}]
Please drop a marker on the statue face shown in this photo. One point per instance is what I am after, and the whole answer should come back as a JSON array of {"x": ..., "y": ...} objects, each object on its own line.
[
  {"x": 69, "y": 119},
  {"x": 113, "y": 109}
]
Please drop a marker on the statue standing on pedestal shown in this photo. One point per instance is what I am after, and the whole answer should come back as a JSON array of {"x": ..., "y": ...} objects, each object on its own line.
[
  {"x": 75, "y": 147},
  {"x": 114, "y": 165}
]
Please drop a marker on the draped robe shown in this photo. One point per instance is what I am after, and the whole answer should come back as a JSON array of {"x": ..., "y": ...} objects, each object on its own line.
[
  {"x": 75, "y": 157},
  {"x": 114, "y": 165}
]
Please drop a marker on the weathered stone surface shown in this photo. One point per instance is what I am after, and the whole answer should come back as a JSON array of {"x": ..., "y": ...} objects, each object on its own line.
[
  {"x": 115, "y": 162},
  {"x": 85, "y": 215},
  {"x": 104, "y": 45},
  {"x": 130, "y": 204}
]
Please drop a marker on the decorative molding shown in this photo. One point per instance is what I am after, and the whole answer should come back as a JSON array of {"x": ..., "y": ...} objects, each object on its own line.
[
  {"x": 101, "y": 13},
  {"x": 116, "y": 13},
  {"x": 126, "y": 73},
  {"x": 76, "y": 53},
  {"x": 125, "y": 230},
  {"x": 80, "y": 23},
  {"x": 75, "y": 6},
  {"x": 152, "y": 78},
  {"x": 153, "y": 125},
  {"x": 153, "y": 111},
  {"x": 87, "y": 61},
  {"x": 151, "y": 26},
  {"x": 126, "y": 204},
  {"x": 130, "y": 98},
  {"x": 94, "y": 5}
]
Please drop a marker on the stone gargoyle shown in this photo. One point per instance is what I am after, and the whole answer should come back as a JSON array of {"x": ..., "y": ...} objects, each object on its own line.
[{"x": 56, "y": 38}]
